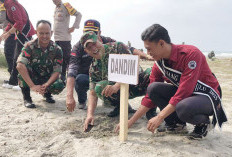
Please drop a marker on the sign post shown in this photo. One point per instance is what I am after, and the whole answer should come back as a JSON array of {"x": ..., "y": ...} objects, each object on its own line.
[
  {"x": 123, "y": 69},
  {"x": 124, "y": 90}
]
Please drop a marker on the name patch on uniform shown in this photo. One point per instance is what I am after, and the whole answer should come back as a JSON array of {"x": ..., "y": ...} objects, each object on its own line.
[
  {"x": 192, "y": 64},
  {"x": 13, "y": 8}
]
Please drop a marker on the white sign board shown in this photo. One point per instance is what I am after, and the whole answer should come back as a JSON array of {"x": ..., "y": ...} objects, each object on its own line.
[{"x": 123, "y": 68}]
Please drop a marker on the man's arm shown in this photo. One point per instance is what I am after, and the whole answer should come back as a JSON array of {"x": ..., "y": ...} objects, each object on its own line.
[
  {"x": 73, "y": 12},
  {"x": 5, "y": 34},
  {"x": 77, "y": 21},
  {"x": 22, "y": 69},
  {"x": 70, "y": 101},
  {"x": 92, "y": 103}
]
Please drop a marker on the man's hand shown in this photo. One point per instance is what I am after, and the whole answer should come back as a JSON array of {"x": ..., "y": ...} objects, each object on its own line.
[
  {"x": 70, "y": 103},
  {"x": 70, "y": 30},
  {"x": 154, "y": 123},
  {"x": 4, "y": 36},
  {"x": 88, "y": 120},
  {"x": 36, "y": 88},
  {"x": 110, "y": 89},
  {"x": 44, "y": 88},
  {"x": 150, "y": 58},
  {"x": 117, "y": 128}
]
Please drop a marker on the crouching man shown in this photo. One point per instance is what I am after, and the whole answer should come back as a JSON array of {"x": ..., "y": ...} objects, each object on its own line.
[
  {"x": 99, "y": 84},
  {"x": 39, "y": 66}
]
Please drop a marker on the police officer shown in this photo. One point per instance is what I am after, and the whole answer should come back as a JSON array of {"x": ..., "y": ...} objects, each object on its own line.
[
  {"x": 39, "y": 65},
  {"x": 62, "y": 31}
]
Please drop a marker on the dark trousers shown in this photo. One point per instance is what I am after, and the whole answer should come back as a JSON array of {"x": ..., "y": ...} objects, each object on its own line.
[
  {"x": 195, "y": 109},
  {"x": 9, "y": 48},
  {"x": 66, "y": 48},
  {"x": 14, "y": 73},
  {"x": 81, "y": 87}
]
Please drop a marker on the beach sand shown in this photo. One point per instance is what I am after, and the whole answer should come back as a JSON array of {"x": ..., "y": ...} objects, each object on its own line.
[{"x": 49, "y": 130}]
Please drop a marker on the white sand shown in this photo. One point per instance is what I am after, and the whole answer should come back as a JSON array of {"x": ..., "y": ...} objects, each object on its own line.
[{"x": 49, "y": 130}]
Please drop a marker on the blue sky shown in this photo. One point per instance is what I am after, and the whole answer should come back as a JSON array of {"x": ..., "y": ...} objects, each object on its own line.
[{"x": 206, "y": 24}]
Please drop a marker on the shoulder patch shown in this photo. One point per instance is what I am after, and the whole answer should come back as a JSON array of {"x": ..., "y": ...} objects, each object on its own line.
[
  {"x": 70, "y": 9},
  {"x": 13, "y": 8},
  {"x": 73, "y": 54},
  {"x": 192, "y": 64}
]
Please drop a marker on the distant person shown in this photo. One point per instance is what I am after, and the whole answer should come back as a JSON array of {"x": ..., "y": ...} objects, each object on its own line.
[
  {"x": 100, "y": 87},
  {"x": 62, "y": 31},
  {"x": 78, "y": 73},
  {"x": 192, "y": 93},
  {"x": 39, "y": 66},
  {"x": 20, "y": 25},
  {"x": 9, "y": 44},
  {"x": 211, "y": 55}
]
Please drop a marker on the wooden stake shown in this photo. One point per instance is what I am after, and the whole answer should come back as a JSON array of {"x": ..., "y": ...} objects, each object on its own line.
[{"x": 124, "y": 93}]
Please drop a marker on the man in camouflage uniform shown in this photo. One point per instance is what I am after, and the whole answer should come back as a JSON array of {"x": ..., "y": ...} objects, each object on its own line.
[
  {"x": 99, "y": 84},
  {"x": 39, "y": 66},
  {"x": 78, "y": 73}
]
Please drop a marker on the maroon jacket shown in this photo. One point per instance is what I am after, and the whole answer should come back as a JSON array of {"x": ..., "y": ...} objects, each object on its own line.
[
  {"x": 180, "y": 59},
  {"x": 17, "y": 16}
]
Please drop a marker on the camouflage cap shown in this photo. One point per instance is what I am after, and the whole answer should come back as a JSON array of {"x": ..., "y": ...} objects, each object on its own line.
[{"x": 88, "y": 37}]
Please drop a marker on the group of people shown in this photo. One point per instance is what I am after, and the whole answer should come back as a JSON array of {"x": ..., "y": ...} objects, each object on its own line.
[{"x": 180, "y": 83}]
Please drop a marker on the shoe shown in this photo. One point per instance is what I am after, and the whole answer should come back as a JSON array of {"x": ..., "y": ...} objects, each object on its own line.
[
  {"x": 200, "y": 131},
  {"x": 16, "y": 88},
  {"x": 173, "y": 129},
  {"x": 7, "y": 85},
  {"x": 49, "y": 98},
  {"x": 115, "y": 112},
  {"x": 151, "y": 113},
  {"x": 29, "y": 104},
  {"x": 5, "y": 82},
  {"x": 82, "y": 106},
  {"x": 106, "y": 103}
]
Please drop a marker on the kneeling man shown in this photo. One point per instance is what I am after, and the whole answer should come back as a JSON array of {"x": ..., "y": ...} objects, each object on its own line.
[{"x": 39, "y": 66}]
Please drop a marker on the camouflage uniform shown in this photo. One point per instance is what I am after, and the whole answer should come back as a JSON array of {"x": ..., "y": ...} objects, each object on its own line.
[
  {"x": 99, "y": 75},
  {"x": 42, "y": 64}
]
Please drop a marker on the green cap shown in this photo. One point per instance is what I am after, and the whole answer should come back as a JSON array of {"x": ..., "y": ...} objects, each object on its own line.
[{"x": 88, "y": 37}]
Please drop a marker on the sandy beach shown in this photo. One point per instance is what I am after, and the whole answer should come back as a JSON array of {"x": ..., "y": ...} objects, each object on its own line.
[{"x": 49, "y": 130}]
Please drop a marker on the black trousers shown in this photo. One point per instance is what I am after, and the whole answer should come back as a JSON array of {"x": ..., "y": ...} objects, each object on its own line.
[
  {"x": 14, "y": 73},
  {"x": 195, "y": 109},
  {"x": 9, "y": 48},
  {"x": 66, "y": 48}
]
